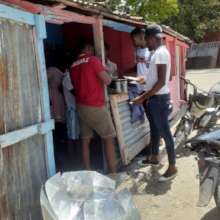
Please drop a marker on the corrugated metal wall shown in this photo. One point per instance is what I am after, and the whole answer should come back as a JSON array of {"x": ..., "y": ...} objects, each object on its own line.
[
  {"x": 24, "y": 163},
  {"x": 133, "y": 137},
  {"x": 134, "y": 133},
  {"x": 203, "y": 55},
  {"x": 203, "y": 49}
]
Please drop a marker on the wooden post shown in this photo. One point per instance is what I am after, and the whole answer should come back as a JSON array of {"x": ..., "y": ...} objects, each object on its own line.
[
  {"x": 41, "y": 34},
  {"x": 100, "y": 52},
  {"x": 99, "y": 39},
  {"x": 99, "y": 46}
]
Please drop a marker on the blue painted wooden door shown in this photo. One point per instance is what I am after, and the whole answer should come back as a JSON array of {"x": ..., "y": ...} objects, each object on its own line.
[{"x": 26, "y": 146}]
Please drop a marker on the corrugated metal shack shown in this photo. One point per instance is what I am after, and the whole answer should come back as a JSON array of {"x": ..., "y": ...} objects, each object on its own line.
[
  {"x": 26, "y": 143},
  {"x": 204, "y": 55}
]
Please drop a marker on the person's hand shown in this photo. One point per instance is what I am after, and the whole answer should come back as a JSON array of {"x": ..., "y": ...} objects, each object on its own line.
[
  {"x": 141, "y": 79},
  {"x": 138, "y": 100}
]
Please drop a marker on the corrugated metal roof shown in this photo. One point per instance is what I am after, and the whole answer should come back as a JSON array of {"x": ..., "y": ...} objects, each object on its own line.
[{"x": 101, "y": 8}]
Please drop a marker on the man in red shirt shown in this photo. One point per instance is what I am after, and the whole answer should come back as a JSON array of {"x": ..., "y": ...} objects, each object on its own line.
[{"x": 89, "y": 77}]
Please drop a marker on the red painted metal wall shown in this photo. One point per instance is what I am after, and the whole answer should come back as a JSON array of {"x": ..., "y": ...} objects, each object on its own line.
[
  {"x": 74, "y": 32},
  {"x": 121, "y": 49},
  {"x": 177, "y": 87}
]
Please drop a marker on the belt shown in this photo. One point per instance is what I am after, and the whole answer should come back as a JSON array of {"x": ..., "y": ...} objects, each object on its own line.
[{"x": 160, "y": 95}]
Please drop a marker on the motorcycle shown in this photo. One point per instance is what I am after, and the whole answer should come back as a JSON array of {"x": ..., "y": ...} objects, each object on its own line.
[
  {"x": 207, "y": 146},
  {"x": 208, "y": 121},
  {"x": 199, "y": 114}
]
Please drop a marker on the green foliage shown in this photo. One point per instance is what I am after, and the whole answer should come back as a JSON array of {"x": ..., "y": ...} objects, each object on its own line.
[
  {"x": 151, "y": 10},
  {"x": 192, "y": 18},
  {"x": 154, "y": 10},
  {"x": 196, "y": 17}
]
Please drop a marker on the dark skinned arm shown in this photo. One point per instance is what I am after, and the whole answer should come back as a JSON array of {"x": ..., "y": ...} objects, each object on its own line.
[
  {"x": 161, "y": 70},
  {"x": 105, "y": 78}
]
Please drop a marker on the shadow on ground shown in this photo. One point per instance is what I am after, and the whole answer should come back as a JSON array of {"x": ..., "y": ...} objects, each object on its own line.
[
  {"x": 156, "y": 188},
  {"x": 145, "y": 181},
  {"x": 214, "y": 214}
]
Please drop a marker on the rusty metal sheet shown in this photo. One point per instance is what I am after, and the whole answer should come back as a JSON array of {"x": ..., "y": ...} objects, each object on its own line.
[
  {"x": 132, "y": 137},
  {"x": 24, "y": 168}
]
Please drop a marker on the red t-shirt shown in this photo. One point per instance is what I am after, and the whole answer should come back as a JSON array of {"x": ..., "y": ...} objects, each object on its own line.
[{"x": 89, "y": 89}]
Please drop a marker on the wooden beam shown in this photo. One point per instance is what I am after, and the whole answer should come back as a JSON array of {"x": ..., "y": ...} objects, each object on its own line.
[
  {"x": 59, "y": 6},
  {"x": 17, "y": 136},
  {"x": 16, "y": 15},
  {"x": 52, "y": 14},
  {"x": 99, "y": 45},
  {"x": 77, "y": 5},
  {"x": 99, "y": 38},
  {"x": 27, "y": 6},
  {"x": 104, "y": 14}
]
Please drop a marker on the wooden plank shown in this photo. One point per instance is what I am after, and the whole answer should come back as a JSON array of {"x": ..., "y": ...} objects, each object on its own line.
[
  {"x": 104, "y": 14},
  {"x": 59, "y": 6},
  {"x": 116, "y": 118},
  {"x": 53, "y": 14},
  {"x": 24, "y": 5},
  {"x": 17, "y": 136},
  {"x": 44, "y": 94},
  {"x": 16, "y": 15}
]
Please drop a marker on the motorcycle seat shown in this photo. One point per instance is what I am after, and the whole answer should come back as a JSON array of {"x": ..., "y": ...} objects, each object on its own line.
[{"x": 211, "y": 144}]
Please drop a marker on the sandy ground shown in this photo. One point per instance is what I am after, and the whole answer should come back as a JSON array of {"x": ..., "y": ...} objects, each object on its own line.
[{"x": 177, "y": 200}]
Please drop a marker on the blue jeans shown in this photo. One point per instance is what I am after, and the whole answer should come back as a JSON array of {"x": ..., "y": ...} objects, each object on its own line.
[{"x": 157, "y": 110}]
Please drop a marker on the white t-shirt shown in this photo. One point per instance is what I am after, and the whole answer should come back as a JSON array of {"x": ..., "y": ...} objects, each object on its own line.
[
  {"x": 160, "y": 56},
  {"x": 142, "y": 55},
  {"x": 67, "y": 87}
]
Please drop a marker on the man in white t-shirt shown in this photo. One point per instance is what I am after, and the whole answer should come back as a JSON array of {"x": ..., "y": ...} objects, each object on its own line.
[
  {"x": 142, "y": 56},
  {"x": 157, "y": 100}
]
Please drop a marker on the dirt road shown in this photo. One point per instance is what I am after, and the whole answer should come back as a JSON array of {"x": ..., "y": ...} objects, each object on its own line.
[{"x": 177, "y": 200}]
